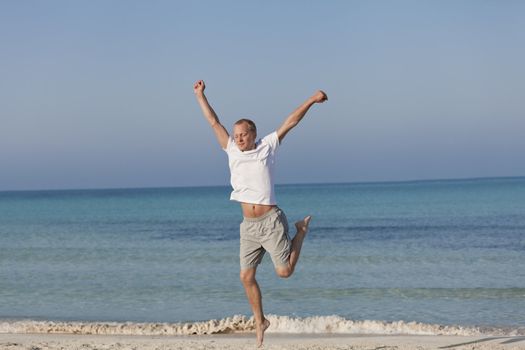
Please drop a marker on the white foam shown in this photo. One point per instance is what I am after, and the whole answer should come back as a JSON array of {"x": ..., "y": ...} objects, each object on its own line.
[{"x": 239, "y": 324}]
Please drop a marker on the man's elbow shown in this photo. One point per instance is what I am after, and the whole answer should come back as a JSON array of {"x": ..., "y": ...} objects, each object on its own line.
[
  {"x": 291, "y": 124},
  {"x": 215, "y": 124}
]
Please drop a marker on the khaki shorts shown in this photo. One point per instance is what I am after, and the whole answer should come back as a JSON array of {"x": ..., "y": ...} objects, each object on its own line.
[{"x": 268, "y": 232}]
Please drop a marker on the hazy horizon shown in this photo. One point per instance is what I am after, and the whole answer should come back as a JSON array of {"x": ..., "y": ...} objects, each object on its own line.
[{"x": 278, "y": 184}]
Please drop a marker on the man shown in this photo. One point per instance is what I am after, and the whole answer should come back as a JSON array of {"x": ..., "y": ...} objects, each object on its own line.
[{"x": 265, "y": 227}]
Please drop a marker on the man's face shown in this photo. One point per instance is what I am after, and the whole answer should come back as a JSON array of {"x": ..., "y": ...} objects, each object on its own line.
[{"x": 244, "y": 138}]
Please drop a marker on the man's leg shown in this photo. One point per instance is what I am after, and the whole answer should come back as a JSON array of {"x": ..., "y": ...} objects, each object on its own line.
[
  {"x": 253, "y": 293},
  {"x": 295, "y": 250}
]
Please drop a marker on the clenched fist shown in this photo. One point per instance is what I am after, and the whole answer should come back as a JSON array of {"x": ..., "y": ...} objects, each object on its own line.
[
  {"x": 319, "y": 97},
  {"x": 198, "y": 87}
]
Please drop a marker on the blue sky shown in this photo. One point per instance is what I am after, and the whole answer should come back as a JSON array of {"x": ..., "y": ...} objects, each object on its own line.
[{"x": 98, "y": 94}]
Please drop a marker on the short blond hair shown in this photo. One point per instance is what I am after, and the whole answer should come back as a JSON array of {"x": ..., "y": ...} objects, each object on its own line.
[{"x": 251, "y": 124}]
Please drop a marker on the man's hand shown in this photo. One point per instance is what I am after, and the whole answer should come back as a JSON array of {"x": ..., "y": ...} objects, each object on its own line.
[
  {"x": 198, "y": 87},
  {"x": 319, "y": 97}
]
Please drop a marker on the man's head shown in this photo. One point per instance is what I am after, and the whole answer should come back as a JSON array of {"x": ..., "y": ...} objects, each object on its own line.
[{"x": 245, "y": 133}]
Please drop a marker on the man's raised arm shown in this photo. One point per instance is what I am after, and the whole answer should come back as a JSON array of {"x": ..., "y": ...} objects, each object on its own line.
[
  {"x": 296, "y": 116},
  {"x": 219, "y": 130}
]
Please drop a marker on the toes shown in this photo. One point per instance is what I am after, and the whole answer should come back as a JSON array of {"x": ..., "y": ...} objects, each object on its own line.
[{"x": 307, "y": 220}]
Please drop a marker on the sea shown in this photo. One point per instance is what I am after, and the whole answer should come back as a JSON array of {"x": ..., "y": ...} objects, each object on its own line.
[{"x": 383, "y": 257}]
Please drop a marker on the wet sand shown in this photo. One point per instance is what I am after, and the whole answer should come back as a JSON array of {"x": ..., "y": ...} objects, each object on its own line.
[{"x": 14, "y": 341}]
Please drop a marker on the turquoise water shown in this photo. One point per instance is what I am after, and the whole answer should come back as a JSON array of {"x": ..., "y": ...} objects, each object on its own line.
[{"x": 447, "y": 252}]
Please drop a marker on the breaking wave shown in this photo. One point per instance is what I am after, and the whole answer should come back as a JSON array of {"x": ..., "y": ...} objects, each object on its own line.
[{"x": 240, "y": 324}]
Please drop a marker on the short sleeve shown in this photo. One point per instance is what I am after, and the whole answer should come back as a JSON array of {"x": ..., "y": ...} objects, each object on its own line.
[
  {"x": 272, "y": 140},
  {"x": 229, "y": 145}
]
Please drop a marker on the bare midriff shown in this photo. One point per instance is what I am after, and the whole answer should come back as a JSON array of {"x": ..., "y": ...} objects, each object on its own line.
[{"x": 255, "y": 210}]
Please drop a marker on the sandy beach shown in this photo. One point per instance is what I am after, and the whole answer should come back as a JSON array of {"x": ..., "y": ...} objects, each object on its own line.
[
  {"x": 236, "y": 332},
  {"x": 13, "y": 341}
]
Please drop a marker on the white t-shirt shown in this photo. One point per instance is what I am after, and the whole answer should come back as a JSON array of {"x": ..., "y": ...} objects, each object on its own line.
[{"x": 252, "y": 171}]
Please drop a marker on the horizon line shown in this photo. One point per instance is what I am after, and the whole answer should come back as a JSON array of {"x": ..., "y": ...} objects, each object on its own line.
[{"x": 279, "y": 184}]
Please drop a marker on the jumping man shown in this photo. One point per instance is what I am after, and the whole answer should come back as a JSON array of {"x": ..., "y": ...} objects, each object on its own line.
[{"x": 264, "y": 227}]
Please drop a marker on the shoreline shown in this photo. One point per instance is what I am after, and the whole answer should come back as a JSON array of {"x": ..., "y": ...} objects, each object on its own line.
[
  {"x": 240, "y": 324},
  {"x": 279, "y": 341}
]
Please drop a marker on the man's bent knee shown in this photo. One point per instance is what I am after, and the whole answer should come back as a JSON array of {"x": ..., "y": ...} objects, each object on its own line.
[{"x": 284, "y": 272}]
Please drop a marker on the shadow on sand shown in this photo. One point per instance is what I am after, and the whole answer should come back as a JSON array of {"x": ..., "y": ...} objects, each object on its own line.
[{"x": 508, "y": 340}]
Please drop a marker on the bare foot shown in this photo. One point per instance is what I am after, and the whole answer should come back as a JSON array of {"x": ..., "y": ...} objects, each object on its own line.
[
  {"x": 302, "y": 225},
  {"x": 259, "y": 330}
]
